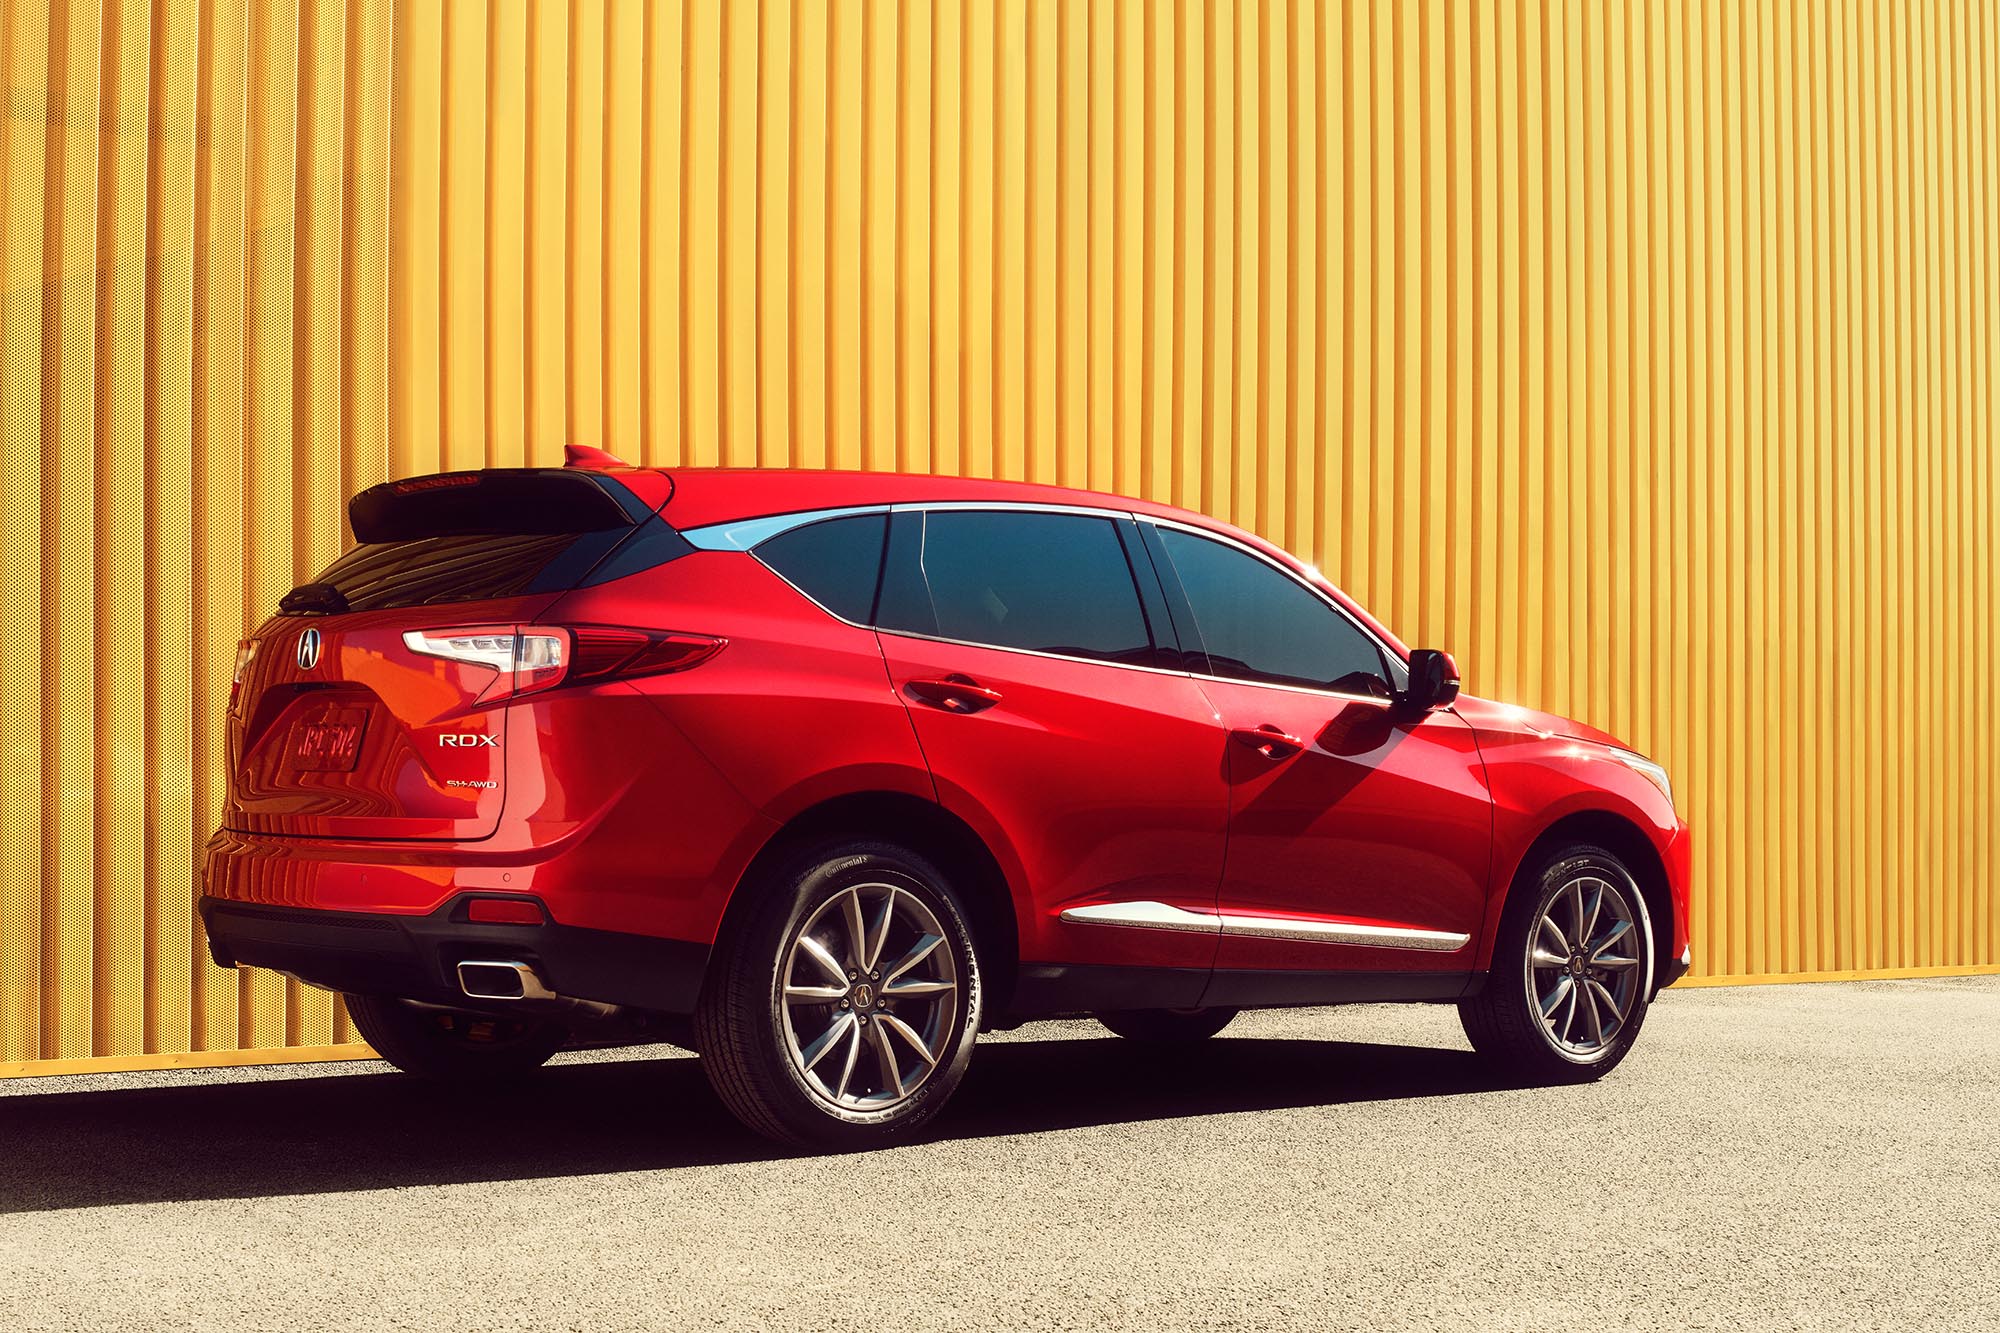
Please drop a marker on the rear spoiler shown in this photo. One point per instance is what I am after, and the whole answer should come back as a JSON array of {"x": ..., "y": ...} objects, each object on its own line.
[{"x": 503, "y": 501}]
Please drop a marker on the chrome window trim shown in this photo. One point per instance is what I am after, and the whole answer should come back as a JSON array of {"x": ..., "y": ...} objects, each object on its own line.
[
  {"x": 721, "y": 540},
  {"x": 1146, "y": 915},
  {"x": 1014, "y": 506},
  {"x": 745, "y": 535},
  {"x": 805, "y": 518},
  {"x": 1031, "y": 652},
  {"x": 1297, "y": 689},
  {"x": 1126, "y": 666}
]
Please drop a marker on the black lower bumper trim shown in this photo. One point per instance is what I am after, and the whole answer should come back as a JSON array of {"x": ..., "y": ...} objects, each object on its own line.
[
  {"x": 1670, "y": 972},
  {"x": 1256, "y": 988},
  {"x": 416, "y": 958},
  {"x": 1044, "y": 990},
  {"x": 1048, "y": 989}
]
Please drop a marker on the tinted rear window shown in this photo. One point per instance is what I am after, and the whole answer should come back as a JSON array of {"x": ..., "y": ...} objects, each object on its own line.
[
  {"x": 472, "y": 536},
  {"x": 1052, "y": 583},
  {"x": 835, "y": 562},
  {"x": 465, "y": 568}
]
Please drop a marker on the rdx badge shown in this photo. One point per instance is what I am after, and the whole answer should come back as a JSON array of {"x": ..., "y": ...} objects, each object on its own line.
[{"x": 463, "y": 739}]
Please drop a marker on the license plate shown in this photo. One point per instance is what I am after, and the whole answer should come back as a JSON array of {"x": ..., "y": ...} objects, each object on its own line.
[{"x": 329, "y": 743}]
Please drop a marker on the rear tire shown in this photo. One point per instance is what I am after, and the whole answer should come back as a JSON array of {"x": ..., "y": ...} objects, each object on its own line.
[
  {"x": 842, "y": 1012},
  {"x": 1572, "y": 970},
  {"x": 1167, "y": 1027},
  {"x": 452, "y": 1046}
]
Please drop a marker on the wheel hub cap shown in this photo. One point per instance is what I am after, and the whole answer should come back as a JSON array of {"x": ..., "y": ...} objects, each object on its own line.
[
  {"x": 868, "y": 997},
  {"x": 1583, "y": 972}
]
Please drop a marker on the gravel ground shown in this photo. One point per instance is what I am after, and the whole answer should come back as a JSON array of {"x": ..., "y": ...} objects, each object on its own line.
[{"x": 1815, "y": 1156}]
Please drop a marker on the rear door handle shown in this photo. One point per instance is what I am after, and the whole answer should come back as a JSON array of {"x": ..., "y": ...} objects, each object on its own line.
[
  {"x": 1269, "y": 741},
  {"x": 955, "y": 693}
]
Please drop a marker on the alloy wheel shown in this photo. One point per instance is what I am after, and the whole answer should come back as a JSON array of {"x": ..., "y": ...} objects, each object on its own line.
[
  {"x": 868, "y": 997},
  {"x": 1583, "y": 969}
]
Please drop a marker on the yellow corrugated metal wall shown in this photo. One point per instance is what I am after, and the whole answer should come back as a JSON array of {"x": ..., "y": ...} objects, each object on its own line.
[{"x": 1644, "y": 354}]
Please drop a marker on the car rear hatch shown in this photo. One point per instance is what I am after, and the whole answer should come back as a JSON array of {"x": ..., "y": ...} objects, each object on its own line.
[{"x": 373, "y": 705}]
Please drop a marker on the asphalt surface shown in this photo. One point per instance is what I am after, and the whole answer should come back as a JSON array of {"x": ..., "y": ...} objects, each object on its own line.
[{"x": 1815, "y": 1156}]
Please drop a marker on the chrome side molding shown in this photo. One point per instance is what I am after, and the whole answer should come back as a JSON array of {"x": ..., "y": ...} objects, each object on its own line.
[
  {"x": 1343, "y": 932},
  {"x": 1154, "y": 916},
  {"x": 1320, "y": 930}
]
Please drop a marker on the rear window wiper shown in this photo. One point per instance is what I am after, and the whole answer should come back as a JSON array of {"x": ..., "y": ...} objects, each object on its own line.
[{"x": 313, "y": 598}]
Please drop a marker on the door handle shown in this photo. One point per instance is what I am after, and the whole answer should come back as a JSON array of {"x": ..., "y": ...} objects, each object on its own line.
[
  {"x": 1269, "y": 741},
  {"x": 955, "y": 693}
]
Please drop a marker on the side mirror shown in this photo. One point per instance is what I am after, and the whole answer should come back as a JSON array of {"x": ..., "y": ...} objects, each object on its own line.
[{"x": 1433, "y": 682}]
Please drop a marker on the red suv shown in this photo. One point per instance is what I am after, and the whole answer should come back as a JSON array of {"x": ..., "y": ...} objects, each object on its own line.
[{"x": 821, "y": 774}]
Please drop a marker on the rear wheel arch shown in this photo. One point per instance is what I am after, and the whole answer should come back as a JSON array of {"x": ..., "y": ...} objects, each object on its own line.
[
  {"x": 924, "y": 827},
  {"x": 1625, "y": 840}
]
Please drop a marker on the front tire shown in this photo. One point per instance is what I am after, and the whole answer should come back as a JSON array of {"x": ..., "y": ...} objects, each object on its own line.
[
  {"x": 842, "y": 1012},
  {"x": 1167, "y": 1027},
  {"x": 1572, "y": 970},
  {"x": 452, "y": 1046}
]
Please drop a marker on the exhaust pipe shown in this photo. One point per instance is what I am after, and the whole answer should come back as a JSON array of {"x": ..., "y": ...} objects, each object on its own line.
[
  {"x": 485, "y": 980},
  {"x": 489, "y": 979}
]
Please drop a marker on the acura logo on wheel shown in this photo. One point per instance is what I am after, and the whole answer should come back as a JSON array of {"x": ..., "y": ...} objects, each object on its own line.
[{"x": 309, "y": 650}]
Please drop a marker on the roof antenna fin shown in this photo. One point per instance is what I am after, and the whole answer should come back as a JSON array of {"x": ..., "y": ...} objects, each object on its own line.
[{"x": 596, "y": 460}]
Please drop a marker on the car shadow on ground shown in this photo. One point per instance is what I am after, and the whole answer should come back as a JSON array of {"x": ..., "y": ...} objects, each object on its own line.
[{"x": 304, "y": 1135}]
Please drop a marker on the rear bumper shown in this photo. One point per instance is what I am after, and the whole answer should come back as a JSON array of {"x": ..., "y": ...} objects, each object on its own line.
[
  {"x": 417, "y": 957},
  {"x": 1675, "y": 970},
  {"x": 389, "y": 918}
]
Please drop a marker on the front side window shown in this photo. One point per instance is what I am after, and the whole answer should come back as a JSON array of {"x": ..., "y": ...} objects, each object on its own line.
[
  {"x": 1259, "y": 624},
  {"x": 1049, "y": 583}
]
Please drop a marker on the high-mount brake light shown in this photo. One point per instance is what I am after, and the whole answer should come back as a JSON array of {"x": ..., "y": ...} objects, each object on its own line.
[
  {"x": 539, "y": 657},
  {"x": 246, "y": 650}
]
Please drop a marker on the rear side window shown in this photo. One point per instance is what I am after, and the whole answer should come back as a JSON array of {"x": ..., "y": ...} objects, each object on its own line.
[
  {"x": 1259, "y": 624},
  {"x": 836, "y": 562},
  {"x": 1051, "y": 583}
]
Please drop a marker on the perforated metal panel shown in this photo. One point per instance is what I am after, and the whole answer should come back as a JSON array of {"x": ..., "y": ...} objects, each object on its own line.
[{"x": 1642, "y": 354}]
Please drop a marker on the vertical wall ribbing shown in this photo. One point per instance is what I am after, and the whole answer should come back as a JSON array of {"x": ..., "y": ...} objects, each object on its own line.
[{"x": 1642, "y": 354}]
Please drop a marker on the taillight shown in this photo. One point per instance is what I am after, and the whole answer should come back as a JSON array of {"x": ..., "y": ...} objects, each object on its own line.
[
  {"x": 605, "y": 652},
  {"x": 542, "y": 656},
  {"x": 522, "y": 661},
  {"x": 246, "y": 649}
]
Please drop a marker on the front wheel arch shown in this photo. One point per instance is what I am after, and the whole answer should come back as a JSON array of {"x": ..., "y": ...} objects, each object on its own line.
[
  {"x": 1625, "y": 840},
  {"x": 1509, "y": 1019}
]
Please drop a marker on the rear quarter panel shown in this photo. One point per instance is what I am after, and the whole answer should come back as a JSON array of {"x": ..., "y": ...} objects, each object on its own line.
[{"x": 795, "y": 710}]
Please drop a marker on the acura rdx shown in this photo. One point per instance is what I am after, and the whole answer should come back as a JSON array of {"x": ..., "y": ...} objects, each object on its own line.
[{"x": 821, "y": 774}]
